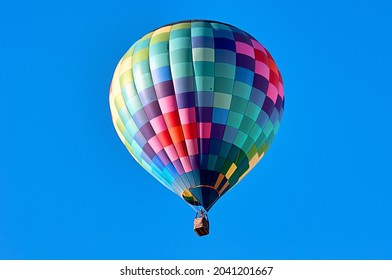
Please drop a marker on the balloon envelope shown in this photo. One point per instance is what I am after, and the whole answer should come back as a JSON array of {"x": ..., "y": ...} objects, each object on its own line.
[{"x": 197, "y": 104}]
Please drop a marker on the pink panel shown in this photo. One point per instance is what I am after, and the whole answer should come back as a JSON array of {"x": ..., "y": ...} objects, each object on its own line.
[
  {"x": 168, "y": 104},
  {"x": 204, "y": 130},
  {"x": 186, "y": 164},
  {"x": 192, "y": 146},
  {"x": 262, "y": 69},
  {"x": 158, "y": 124},
  {"x": 171, "y": 152},
  {"x": 155, "y": 144},
  {"x": 244, "y": 48},
  {"x": 281, "y": 91},
  {"x": 187, "y": 115},
  {"x": 258, "y": 46},
  {"x": 272, "y": 92}
]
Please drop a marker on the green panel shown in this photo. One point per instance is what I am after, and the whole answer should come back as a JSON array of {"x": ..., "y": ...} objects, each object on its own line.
[
  {"x": 180, "y": 43},
  {"x": 159, "y": 60},
  {"x": 242, "y": 90},
  {"x": 224, "y": 85},
  {"x": 226, "y": 166},
  {"x": 222, "y": 100},
  {"x": 238, "y": 104},
  {"x": 204, "y": 68},
  {"x": 234, "y": 119},
  {"x": 134, "y": 104},
  {"x": 204, "y": 83},
  {"x": 276, "y": 127},
  {"x": 260, "y": 141},
  {"x": 143, "y": 81},
  {"x": 268, "y": 128},
  {"x": 202, "y": 31},
  {"x": 132, "y": 127},
  {"x": 142, "y": 43},
  {"x": 203, "y": 54},
  {"x": 212, "y": 161},
  {"x": 252, "y": 111},
  {"x": 240, "y": 139},
  {"x": 255, "y": 133},
  {"x": 248, "y": 145},
  {"x": 182, "y": 70},
  {"x": 220, "y": 26},
  {"x": 180, "y": 56},
  {"x": 246, "y": 125},
  {"x": 161, "y": 47},
  {"x": 178, "y": 33},
  {"x": 141, "y": 67},
  {"x": 252, "y": 151},
  {"x": 225, "y": 70}
]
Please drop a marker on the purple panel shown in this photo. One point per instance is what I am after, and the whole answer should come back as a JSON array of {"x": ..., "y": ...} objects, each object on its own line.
[
  {"x": 215, "y": 146},
  {"x": 274, "y": 116},
  {"x": 140, "y": 118},
  {"x": 194, "y": 162},
  {"x": 147, "y": 96},
  {"x": 204, "y": 145},
  {"x": 186, "y": 100},
  {"x": 257, "y": 97},
  {"x": 239, "y": 36},
  {"x": 204, "y": 114},
  {"x": 164, "y": 89},
  {"x": 224, "y": 43},
  {"x": 260, "y": 83},
  {"x": 152, "y": 110},
  {"x": 230, "y": 134},
  {"x": 149, "y": 151},
  {"x": 202, "y": 42},
  {"x": 268, "y": 106},
  {"x": 225, "y": 56},
  {"x": 146, "y": 158},
  {"x": 280, "y": 115},
  {"x": 217, "y": 131},
  {"x": 185, "y": 84},
  {"x": 139, "y": 138},
  {"x": 178, "y": 166},
  {"x": 147, "y": 131},
  {"x": 279, "y": 103},
  {"x": 245, "y": 61},
  {"x": 164, "y": 158},
  {"x": 262, "y": 119}
]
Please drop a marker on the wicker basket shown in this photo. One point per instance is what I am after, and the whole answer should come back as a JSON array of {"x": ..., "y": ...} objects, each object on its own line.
[{"x": 201, "y": 226}]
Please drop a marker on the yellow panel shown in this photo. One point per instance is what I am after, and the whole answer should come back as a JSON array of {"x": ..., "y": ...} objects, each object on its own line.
[
  {"x": 126, "y": 65},
  {"x": 119, "y": 102},
  {"x": 161, "y": 35},
  {"x": 184, "y": 25},
  {"x": 148, "y": 35},
  {"x": 220, "y": 178},
  {"x": 140, "y": 56},
  {"x": 232, "y": 168}
]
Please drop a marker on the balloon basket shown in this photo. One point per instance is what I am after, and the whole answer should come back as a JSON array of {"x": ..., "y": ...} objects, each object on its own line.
[{"x": 201, "y": 226}]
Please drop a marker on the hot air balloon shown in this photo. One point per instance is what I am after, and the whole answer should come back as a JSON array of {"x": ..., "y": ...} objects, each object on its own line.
[{"x": 197, "y": 103}]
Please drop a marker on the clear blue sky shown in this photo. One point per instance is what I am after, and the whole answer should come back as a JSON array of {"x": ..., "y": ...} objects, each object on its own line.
[{"x": 70, "y": 190}]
